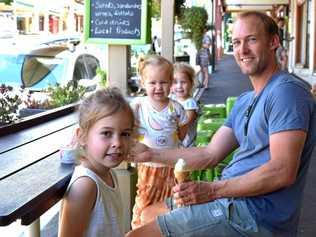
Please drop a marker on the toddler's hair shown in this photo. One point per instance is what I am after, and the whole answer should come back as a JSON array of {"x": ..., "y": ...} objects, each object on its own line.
[
  {"x": 100, "y": 104},
  {"x": 154, "y": 60},
  {"x": 186, "y": 69}
]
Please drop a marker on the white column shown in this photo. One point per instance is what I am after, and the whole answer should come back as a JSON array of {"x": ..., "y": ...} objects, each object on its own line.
[
  {"x": 34, "y": 229},
  {"x": 117, "y": 67},
  {"x": 167, "y": 19},
  {"x": 46, "y": 22},
  {"x": 312, "y": 37},
  {"x": 292, "y": 32},
  {"x": 71, "y": 24},
  {"x": 35, "y": 22}
]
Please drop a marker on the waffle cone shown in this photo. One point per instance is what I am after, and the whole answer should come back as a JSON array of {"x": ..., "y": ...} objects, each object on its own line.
[{"x": 182, "y": 176}]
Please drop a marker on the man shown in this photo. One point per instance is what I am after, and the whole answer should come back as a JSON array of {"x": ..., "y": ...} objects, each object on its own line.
[{"x": 274, "y": 129}]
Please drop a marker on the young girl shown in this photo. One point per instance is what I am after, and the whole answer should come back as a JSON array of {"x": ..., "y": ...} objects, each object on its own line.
[
  {"x": 92, "y": 203},
  {"x": 183, "y": 83},
  {"x": 160, "y": 125}
]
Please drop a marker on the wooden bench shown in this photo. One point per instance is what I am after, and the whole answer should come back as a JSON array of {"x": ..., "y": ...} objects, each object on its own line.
[{"x": 32, "y": 179}]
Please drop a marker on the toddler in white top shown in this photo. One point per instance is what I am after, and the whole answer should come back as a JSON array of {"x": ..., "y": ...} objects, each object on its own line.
[
  {"x": 182, "y": 86},
  {"x": 161, "y": 124}
]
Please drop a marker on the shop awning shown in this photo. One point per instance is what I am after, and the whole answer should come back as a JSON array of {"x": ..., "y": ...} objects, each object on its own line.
[{"x": 246, "y": 5}]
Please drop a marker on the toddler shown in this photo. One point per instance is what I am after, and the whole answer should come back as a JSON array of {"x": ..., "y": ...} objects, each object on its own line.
[
  {"x": 183, "y": 83},
  {"x": 160, "y": 123}
]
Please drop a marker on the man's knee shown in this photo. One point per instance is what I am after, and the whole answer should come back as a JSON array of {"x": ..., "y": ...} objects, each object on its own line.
[
  {"x": 150, "y": 229},
  {"x": 151, "y": 212}
]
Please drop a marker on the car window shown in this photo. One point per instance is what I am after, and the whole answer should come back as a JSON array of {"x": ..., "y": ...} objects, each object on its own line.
[
  {"x": 80, "y": 69},
  {"x": 39, "y": 72},
  {"x": 92, "y": 64}
]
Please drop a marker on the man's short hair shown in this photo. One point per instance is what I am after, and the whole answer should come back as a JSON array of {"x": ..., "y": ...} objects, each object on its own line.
[{"x": 269, "y": 25}]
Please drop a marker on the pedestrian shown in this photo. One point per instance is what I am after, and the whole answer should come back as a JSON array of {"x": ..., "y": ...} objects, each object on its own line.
[
  {"x": 204, "y": 57},
  {"x": 282, "y": 58},
  {"x": 282, "y": 51},
  {"x": 155, "y": 45},
  {"x": 92, "y": 205},
  {"x": 182, "y": 87},
  {"x": 161, "y": 123},
  {"x": 273, "y": 127}
]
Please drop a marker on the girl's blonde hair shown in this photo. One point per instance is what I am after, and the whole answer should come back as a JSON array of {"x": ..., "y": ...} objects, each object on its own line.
[
  {"x": 154, "y": 60},
  {"x": 100, "y": 104},
  {"x": 186, "y": 69}
]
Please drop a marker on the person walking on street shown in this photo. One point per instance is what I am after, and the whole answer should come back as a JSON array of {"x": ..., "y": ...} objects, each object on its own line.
[
  {"x": 282, "y": 51},
  {"x": 203, "y": 58},
  {"x": 274, "y": 128}
]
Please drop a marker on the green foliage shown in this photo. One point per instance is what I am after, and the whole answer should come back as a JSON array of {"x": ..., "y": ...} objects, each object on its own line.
[
  {"x": 103, "y": 77},
  {"x": 6, "y": 2},
  {"x": 194, "y": 21},
  {"x": 178, "y": 7},
  {"x": 64, "y": 95},
  {"x": 9, "y": 104},
  {"x": 155, "y": 6}
]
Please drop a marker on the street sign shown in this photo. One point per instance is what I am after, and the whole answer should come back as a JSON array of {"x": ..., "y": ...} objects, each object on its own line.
[{"x": 120, "y": 22}]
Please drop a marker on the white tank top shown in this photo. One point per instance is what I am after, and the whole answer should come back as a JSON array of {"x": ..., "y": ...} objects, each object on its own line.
[{"x": 107, "y": 215}]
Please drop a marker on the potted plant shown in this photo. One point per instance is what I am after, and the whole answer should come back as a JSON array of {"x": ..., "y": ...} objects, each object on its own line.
[
  {"x": 102, "y": 77},
  {"x": 53, "y": 97}
]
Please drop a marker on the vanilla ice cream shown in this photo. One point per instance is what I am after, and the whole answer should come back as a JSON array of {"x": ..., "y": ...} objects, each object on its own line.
[{"x": 181, "y": 173}]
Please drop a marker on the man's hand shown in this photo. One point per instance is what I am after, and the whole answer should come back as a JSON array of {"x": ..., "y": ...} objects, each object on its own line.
[
  {"x": 139, "y": 153},
  {"x": 194, "y": 192}
]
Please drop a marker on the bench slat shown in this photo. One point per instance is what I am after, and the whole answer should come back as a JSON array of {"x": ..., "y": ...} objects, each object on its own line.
[
  {"x": 30, "y": 134},
  {"x": 23, "y": 156},
  {"x": 32, "y": 191}
]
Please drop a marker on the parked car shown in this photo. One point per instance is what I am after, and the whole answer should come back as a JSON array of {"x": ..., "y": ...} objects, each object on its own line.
[{"x": 48, "y": 65}]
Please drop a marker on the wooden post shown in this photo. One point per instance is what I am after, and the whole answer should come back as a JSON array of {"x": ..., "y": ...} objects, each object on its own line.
[
  {"x": 117, "y": 67},
  {"x": 34, "y": 229},
  {"x": 167, "y": 19}
]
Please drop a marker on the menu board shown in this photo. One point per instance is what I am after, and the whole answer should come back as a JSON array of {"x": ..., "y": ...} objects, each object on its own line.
[{"x": 116, "y": 21}]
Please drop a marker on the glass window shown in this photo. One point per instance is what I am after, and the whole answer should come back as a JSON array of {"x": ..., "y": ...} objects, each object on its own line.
[{"x": 92, "y": 64}]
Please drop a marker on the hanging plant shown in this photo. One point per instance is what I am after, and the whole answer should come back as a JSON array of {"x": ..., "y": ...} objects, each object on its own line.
[
  {"x": 155, "y": 6},
  {"x": 193, "y": 21},
  {"x": 6, "y": 2}
]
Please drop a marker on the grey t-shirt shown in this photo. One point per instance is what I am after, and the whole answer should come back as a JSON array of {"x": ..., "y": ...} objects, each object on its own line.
[{"x": 284, "y": 104}]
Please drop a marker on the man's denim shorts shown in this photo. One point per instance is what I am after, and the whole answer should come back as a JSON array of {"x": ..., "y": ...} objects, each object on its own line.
[{"x": 223, "y": 217}]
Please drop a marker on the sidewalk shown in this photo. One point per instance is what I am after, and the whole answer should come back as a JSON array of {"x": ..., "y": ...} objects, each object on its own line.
[{"x": 227, "y": 81}]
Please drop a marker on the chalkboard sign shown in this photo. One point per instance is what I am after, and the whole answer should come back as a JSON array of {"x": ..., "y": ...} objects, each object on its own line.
[{"x": 116, "y": 21}]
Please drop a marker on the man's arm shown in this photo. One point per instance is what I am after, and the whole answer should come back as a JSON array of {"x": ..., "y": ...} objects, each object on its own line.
[
  {"x": 281, "y": 171},
  {"x": 221, "y": 145}
]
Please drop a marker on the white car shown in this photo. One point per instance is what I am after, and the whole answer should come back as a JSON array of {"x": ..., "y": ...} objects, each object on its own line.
[{"x": 47, "y": 65}]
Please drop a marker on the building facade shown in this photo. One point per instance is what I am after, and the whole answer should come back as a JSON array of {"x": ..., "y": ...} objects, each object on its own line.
[{"x": 45, "y": 16}]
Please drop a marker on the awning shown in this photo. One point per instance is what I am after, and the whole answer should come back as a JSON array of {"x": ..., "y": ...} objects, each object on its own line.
[{"x": 246, "y": 5}]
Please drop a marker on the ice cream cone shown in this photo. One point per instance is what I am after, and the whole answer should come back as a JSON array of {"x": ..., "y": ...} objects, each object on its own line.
[
  {"x": 182, "y": 176},
  {"x": 181, "y": 173}
]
